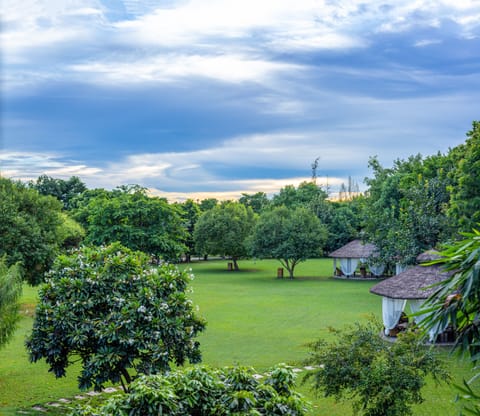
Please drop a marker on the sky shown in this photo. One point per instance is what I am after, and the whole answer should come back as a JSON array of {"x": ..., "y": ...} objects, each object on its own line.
[{"x": 215, "y": 98}]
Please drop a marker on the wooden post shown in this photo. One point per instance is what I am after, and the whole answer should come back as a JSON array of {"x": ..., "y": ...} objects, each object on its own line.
[
  {"x": 230, "y": 266},
  {"x": 280, "y": 273}
]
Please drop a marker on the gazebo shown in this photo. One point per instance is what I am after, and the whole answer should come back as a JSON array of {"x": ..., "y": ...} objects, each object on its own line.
[
  {"x": 351, "y": 254},
  {"x": 413, "y": 286}
]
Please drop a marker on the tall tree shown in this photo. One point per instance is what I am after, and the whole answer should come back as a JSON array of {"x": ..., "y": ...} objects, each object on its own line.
[
  {"x": 140, "y": 222},
  {"x": 288, "y": 235},
  {"x": 190, "y": 212},
  {"x": 29, "y": 228},
  {"x": 258, "y": 201},
  {"x": 63, "y": 190},
  {"x": 406, "y": 210},
  {"x": 109, "y": 308},
  {"x": 224, "y": 230},
  {"x": 303, "y": 196},
  {"x": 465, "y": 206}
]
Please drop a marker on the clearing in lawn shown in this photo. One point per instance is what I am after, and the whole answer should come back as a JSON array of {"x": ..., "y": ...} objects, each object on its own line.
[{"x": 253, "y": 319}]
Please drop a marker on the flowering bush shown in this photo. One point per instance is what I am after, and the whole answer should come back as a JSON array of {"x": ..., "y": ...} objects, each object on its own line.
[{"x": 111, "y": 309}]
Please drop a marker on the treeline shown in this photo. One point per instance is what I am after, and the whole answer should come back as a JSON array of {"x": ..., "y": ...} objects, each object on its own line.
[{"x": 406, "y": 209}]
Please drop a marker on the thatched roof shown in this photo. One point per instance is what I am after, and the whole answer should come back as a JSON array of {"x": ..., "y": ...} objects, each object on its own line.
[
  {"x": 355, "y": 249},
  {"x": 413, "y": 283},
  {"x": 428, "y": 256}
]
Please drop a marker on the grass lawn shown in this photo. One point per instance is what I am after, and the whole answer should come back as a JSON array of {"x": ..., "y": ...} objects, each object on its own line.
[{"x": 253, "y": 319}]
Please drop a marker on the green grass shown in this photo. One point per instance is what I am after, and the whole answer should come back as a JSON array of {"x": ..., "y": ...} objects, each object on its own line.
[{"x": 253, "y": 319}]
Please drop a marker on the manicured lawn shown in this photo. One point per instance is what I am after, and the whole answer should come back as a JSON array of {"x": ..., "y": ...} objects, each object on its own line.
[{"x": 253, "y": 319}]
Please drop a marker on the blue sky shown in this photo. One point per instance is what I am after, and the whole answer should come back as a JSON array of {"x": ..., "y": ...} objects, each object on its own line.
[{"x": 218, "y": 97}]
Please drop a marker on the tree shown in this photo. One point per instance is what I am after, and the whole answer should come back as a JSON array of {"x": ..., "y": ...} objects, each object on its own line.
[
  {"x": 406, "y": 210},
  {"x": 288, "y": 235},
  {"x": 203, "y": 391},
  {"x": 64, "y": 191},
  {"x": 465, "y": 206},
  {"x": 139, "y": 222},
  {"x": 207, "y": 204},
  {"x": 304, "y": 196},
  {"x": 10, "y": 292},
  {"x": 382, "y": 379},
  {"x": 109, "y": 309},
  {"x": 224, "y": 229},
  {"x": 190, "y": 212},
  {"x": 258, "y": 201},
  {"x": 457, "y": 302},
  {"x": 30, "y": 226}
]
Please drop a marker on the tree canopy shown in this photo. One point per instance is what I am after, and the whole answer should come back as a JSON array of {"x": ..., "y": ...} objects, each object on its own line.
[
  {"x": 30, "y": 229},
  {"x": 64, "y": 191},
  {"x": 108, "y": 307},
  {"x": 136, "y": 220},
  {"x": 224, "y": 229},
  {"x": 288, "y": 235}
]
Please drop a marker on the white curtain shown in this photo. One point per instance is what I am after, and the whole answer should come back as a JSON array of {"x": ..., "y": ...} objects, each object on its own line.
[
  {"x": 415, "y": 306},
  {"x": 391, "y": 311},
  {"x": 348, "y": 266},
  {"x": 399, "y": 268},
  {"x": 376, "y": 269}
]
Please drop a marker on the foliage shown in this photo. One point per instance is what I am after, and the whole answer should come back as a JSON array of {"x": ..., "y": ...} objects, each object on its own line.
[
  {"x": 303, "y": 196},
  {"x": 224, "y": 230},
  {"x": 64, "y": 191},
  {"x": 139, "y": 222},
  {"x": 457, "y": 301},
  {"x": 10, "y": 292},
  {"x": 29, "y": 229},
  {"x": 203, "y": 391},
  {"x": 342, "y": 219},
  {"x": 70, "y": 232},
  {"x": 258, "y": 201},
  {"x": 190, "y": 211},
  {"x": 208, "y": 204},
  {"x": 406, "y": 211},
  {"x": 288, "y": 235},
  {"x": 381, "y": 378},
  {"x": 108, "y": 308},
  {"x": 465, "y": 206}
]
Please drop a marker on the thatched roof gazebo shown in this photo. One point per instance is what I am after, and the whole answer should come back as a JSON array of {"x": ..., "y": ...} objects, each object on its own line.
[
  {"x": 351, "y": 254},
  {"x": 355, "y": 249},
  {"x": 413, "y": 285}
]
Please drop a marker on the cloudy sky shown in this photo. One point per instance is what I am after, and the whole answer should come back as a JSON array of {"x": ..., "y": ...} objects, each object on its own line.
[{"x": 219, "y": 97}]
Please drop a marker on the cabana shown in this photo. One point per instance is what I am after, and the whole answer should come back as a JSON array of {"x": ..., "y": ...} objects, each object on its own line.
[
  {"x": 413, "y": 286},
  {"x": 351, "y": 254}
]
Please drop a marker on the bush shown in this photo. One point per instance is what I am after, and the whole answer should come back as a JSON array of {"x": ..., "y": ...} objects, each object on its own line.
[
  {"x": 381, "y": 378},
  {"x": 202, "y": 391}
]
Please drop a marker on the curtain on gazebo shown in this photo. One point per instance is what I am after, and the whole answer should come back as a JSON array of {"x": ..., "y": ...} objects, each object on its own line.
[
  {"x": 415, "y": 306},
  {"x": 348, "y": 266},
  {"x": 391, "y": 311},
  {"x": 376, "y": 269}
]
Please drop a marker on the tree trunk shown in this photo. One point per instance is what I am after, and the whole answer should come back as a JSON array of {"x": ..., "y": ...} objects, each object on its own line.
[
  {"x": 128, "y": 380},
  {"x": 290, "y": 269},
  {"x": 235, "y": 264}
]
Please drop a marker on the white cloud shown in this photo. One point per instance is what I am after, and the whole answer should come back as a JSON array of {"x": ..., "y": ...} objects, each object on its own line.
[
  {"x": 427, "y": 42},
  {"x": 169, "y": 67}
]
